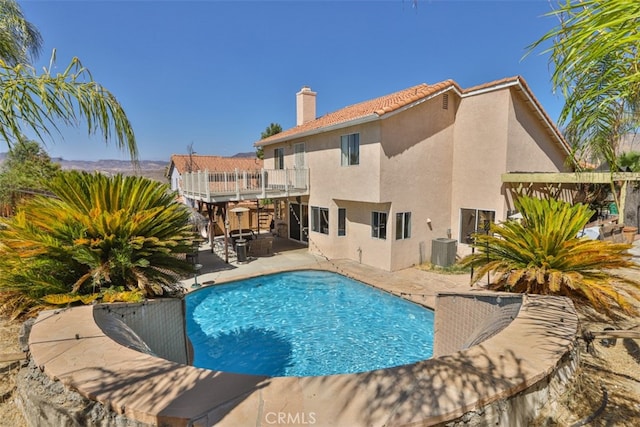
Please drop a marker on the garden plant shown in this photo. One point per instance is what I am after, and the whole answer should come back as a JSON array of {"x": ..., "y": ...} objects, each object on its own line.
[
  {"x": 542, "y": 254},
  {"x": 94, "y": 238}
]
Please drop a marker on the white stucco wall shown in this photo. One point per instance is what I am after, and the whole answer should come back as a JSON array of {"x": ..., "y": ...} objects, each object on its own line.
[
  {"x": 359, "y": 185},
  {"x": 495, "y": 133},
  {"x": 416, "y": 176},
  {"x": 175, "y": 180},
  {"x": 426, "y": 160}
]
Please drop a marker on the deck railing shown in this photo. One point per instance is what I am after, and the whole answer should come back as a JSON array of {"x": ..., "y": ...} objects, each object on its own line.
[{"x": 242, "y": 185}]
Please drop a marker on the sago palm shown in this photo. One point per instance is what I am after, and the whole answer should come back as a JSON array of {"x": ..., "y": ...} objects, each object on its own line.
[
  {"x": 542, "y": 254},
  {"x": 100, "y": 232}
]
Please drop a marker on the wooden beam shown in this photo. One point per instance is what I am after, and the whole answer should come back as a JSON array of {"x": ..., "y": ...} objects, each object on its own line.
[
  {"x": 570, "y": 177},
  {"x": 617, "y": 334}
]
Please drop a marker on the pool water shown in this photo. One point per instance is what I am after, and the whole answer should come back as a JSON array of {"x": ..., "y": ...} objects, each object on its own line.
[{"x": 305, "y": 323}]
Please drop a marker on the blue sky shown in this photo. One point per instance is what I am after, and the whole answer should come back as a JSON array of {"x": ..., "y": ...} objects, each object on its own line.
[{"x": 215, "y": 74}]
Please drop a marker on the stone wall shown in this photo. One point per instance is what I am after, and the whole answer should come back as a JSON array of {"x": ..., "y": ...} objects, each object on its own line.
[
  {"x": 46, "y": 402},
  {"x": 80, "y": 376},
  {"x": 465, "y": 320}
]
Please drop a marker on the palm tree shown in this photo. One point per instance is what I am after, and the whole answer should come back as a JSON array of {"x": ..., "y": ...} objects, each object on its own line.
[
  {"x": 35, "y": 101},
  {"x": 98, "y": 232},
  {"x": 19, "y": 39},
  {"x": 596, "y": 64},
  {"x": 542, "y": 254},
  {"x": 596, "y": 67}
]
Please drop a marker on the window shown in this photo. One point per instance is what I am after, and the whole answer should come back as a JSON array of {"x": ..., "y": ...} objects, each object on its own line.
[
  {"x": 320, "y": 220},
  {"x": 403, "y": 225},
  {"x": 278, "y": 158},
  {"x": 472, "y": 221},
  {"x": 350, "y": 149},
  {"x": 342, "y": 222},
  {"x": 298, "y": 156},
  {"x": 379, "y": 225}
]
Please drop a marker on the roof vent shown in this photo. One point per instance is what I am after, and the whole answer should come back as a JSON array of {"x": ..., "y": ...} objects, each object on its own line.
[{"x": 445, "y": 101}]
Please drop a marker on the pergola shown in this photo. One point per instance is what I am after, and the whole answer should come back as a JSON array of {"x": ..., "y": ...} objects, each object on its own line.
[{"x": 526, "y": 180}]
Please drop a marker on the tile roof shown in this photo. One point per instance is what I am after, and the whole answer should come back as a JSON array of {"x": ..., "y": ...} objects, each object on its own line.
[
  {"x": 373, "y": 108},
  {"x": 378, "y": 107},
  {"x": 182, "y": 162}
]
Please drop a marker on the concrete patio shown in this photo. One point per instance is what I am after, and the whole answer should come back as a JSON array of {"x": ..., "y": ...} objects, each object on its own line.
[{"x": 415, "y": 284}]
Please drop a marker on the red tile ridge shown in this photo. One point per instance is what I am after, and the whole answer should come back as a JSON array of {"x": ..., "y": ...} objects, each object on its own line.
[{"x": 376, "y": 107}]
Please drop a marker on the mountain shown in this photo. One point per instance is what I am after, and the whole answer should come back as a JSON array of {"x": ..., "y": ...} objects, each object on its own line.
[
  {"x": 248, "y": 154},
  {"x": 110, "y": 165},
  {"x": 154, "y": 169},
  {"x": 147, "y": 168}
]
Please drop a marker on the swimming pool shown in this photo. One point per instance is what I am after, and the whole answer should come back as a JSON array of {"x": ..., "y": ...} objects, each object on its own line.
[{"x": 304, "y": 323}]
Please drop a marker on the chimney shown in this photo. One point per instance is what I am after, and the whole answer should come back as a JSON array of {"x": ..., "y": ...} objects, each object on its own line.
[{"x": 305, "y": 105}]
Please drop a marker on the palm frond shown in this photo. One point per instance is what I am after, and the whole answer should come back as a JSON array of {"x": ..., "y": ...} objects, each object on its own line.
[{"x": 36, "y": 101}]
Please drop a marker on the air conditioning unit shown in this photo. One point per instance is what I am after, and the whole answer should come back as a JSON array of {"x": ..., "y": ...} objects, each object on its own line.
[{"x": 443, "y": 251}]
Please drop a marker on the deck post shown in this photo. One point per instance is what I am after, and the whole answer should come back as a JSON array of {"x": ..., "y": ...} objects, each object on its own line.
[
  {"x": 237, "y": 184},
  {"x": 208, "y": 184},
  {"x": 263, "y": 184},
  {"x": 286, "y": 182}
]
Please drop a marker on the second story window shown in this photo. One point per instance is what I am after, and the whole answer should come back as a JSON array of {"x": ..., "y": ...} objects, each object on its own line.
[
  {"x": 278, "y": 158},
  {"x": 350, "y": 149}
]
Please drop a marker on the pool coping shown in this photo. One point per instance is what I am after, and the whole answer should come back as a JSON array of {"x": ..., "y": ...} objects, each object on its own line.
[{"x": 69, "y": 346}]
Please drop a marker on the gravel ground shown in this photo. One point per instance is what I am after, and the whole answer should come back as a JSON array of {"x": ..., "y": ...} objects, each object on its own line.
[
  {"x": 606, "y": 389},
  {"x": 615, "y": 369},
  {"x": 10, "y": 414}
]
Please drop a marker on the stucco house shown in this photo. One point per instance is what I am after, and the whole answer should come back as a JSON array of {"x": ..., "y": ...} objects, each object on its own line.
[{"x": 390, "y": 177}]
